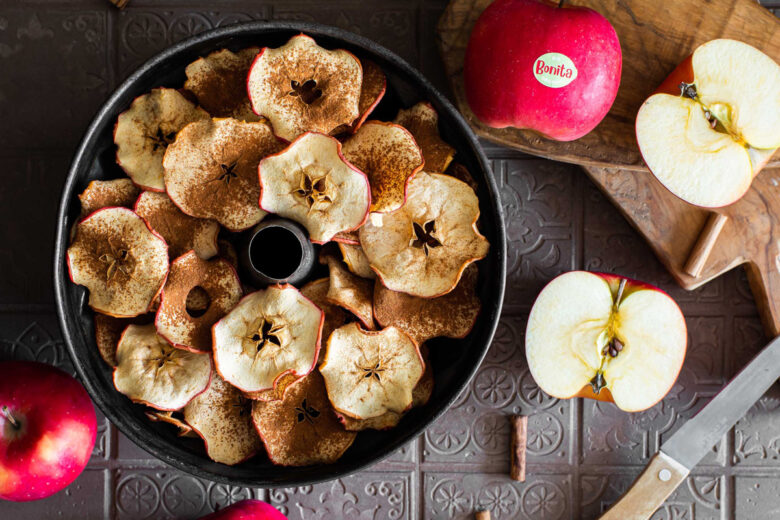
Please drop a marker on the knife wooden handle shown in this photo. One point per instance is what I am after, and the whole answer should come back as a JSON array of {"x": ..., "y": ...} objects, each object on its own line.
[{"x": 659, "y": 479}]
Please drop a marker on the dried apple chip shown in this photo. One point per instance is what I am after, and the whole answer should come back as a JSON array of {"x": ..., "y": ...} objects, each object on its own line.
[
  {"x": 151, "y": 371},
  {"x": 311, "y": 183},
  {"x": 335, "y": 316},
  {"x": 219, "y": 82},
  {"x": 302, "y": 428},
  {"x": 388, "y": 154},
  {"x": 371, "y": 93},
  {"x": 181, "y": 232},
  {"x": 211, "y": 170},
  {"x": 184, "y": 429},
  {"x": 452, "y": 315},
  {"x": 356, "y": 260},
  {"x": 350, "y": 291},
  {"x": 420, "y": 395},
  {"x": 302, "y": 87},
  {"x": 368, "y": 374},
  {"x": 120, "y": 260},
  {"x": 102, "y": 194},
  {"x": 108, "y": 330},
  {"x": 347, "y": 237},
  {"x": 462, "y": 173},
  {"x": 219, "y": 281},
  {"x": 422, "y": 121},
  {"x": 222, "y": 417},
  {"x": 269, "y": 334},
  {"x": 423, "y": 248},
  {"x": 144, "y": 132}
]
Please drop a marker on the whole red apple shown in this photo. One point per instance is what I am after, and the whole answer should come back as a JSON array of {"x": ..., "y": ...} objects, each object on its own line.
[
  {"x": 47, "y": 430},
  {"x": 247, "y": 510},
  {"x": 531, "y": 64}
]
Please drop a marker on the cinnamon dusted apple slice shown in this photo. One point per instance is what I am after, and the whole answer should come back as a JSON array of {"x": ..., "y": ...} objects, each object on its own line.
[
  {"x": 335, "y": 316},
  {"x": 452, "y": 315},
  {"x": 356, "y": 260},
  {"x": 347, "y": 237},
  {"x": 301, "y": 429},
  {"x": 180, "y": 231},
  {"x": 350, "y": 291},
  {"x": 143, "y": 133},
  {"x": 222, "y": 416},
  {"x": 390, "y": 157},
  {"x": 269, "y": 334},
  {"x": 372, "y": 91},
  {"x": 219, "y": 83},
  {"x": 103, "y": 194},
  {"x": 220, "y": 283},
  {"x": 423, "y": 248},
  {"x": 420, "y": 395},
  {"x": 108, "y": 330},
  {"x": 462, "y": 173},
  {"x": 152, "y": 372},
  {"x": 302, "y": 87},
  {"x": 311, "y": 182},
  {"x": 184, "y": 429},
  {"x": 370, "y": 373},
  {"x": 422, "y": 121},
  {"x": 211, "y": 170},
  {"x": 120, "y": 260}
]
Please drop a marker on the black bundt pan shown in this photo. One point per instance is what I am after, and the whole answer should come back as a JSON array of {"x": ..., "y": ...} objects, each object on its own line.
[{"x": 454, "y": 361}]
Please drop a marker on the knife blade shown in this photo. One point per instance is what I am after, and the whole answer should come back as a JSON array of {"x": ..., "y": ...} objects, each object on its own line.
[{"x": 683, "y": 450}]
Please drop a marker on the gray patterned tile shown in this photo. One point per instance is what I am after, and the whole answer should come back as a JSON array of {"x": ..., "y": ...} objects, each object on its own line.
[
  {"x": 757, "y": 498},
  {"x": 85, "y": 498}
]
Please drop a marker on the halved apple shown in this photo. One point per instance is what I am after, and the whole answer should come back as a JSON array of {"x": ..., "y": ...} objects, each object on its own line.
[
  {"x": 605, "y": 337},
  {"x": 713, "y": 123}
]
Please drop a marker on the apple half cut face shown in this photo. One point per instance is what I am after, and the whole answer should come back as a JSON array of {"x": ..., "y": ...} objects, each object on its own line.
[
  {"x": 219, "y": 83},
  {"x": 152, "y": 372},
  {"x": 301, "y": 429},
  {"x": 422, "y": 121},
  {"x": 356, "y": 260},
  {"x": 311, "y": 183},
  {"x": 420, "y": 395},
  {"x": 271, "y": 333},
  {"x": 605, "y": 337},
  {"x": 388, "y": 154},
  {"x": 180, "y": 231},
  {"x": 370, "y": 373},
  {"x": 102, "y": 194},
  {"x": 222, "y": 416},
  {"x": 120, "y": 260},
  {"x": 422, "y": 248},
  {"x": 144, "y": 132},
  {"x": 215, "y": 278},
  {"x": 211, "y": 170},
  {"x": 302, "y": 87},
  {"x": 708, "y": 140},
  {"x": 335, "y": 316},
  {"x": 452, "y": 315},
  {"x": 350, "y": 291}
]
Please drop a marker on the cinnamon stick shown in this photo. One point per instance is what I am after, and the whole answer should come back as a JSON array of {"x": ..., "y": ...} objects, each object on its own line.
[
  {"x": 519, "y": 435},
  {"x": 482, "y": 515},
  {"x": 119, "y": 3}
]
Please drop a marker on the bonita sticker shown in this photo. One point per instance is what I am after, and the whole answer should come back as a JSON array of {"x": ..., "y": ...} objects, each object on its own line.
[{"x": 554, "y": 70}]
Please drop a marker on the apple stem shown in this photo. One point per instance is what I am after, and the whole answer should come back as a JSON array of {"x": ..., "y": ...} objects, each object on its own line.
[
  {"x": 619, "y": 296},
  {"x": 560, "y": 4},
  {"x": 9, "y": 417}
]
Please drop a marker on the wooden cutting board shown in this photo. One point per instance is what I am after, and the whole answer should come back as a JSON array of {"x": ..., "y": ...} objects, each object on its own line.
[{"x": 655, "y": 36}]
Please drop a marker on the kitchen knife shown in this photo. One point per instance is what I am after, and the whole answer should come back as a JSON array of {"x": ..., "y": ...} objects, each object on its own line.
[{"x": 683, "y": 450}]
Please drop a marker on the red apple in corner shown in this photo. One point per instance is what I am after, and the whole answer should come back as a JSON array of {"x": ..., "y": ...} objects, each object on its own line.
[
  {"x": 47, "y": 430},
  {"x": 531, "y": 64},
  {"x": 247, "y": 510},
  {"x": 605, "y": 337}
]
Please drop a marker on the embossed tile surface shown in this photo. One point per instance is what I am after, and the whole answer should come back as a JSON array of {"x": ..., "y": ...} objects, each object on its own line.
[{"x": 60, "y": 58}]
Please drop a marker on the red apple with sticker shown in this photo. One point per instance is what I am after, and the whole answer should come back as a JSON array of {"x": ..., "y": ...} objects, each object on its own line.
[
  {"x": 534, "y": 65},
  {"x": 605, "y": 337},
  {"x": 47, "y": 430}
]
